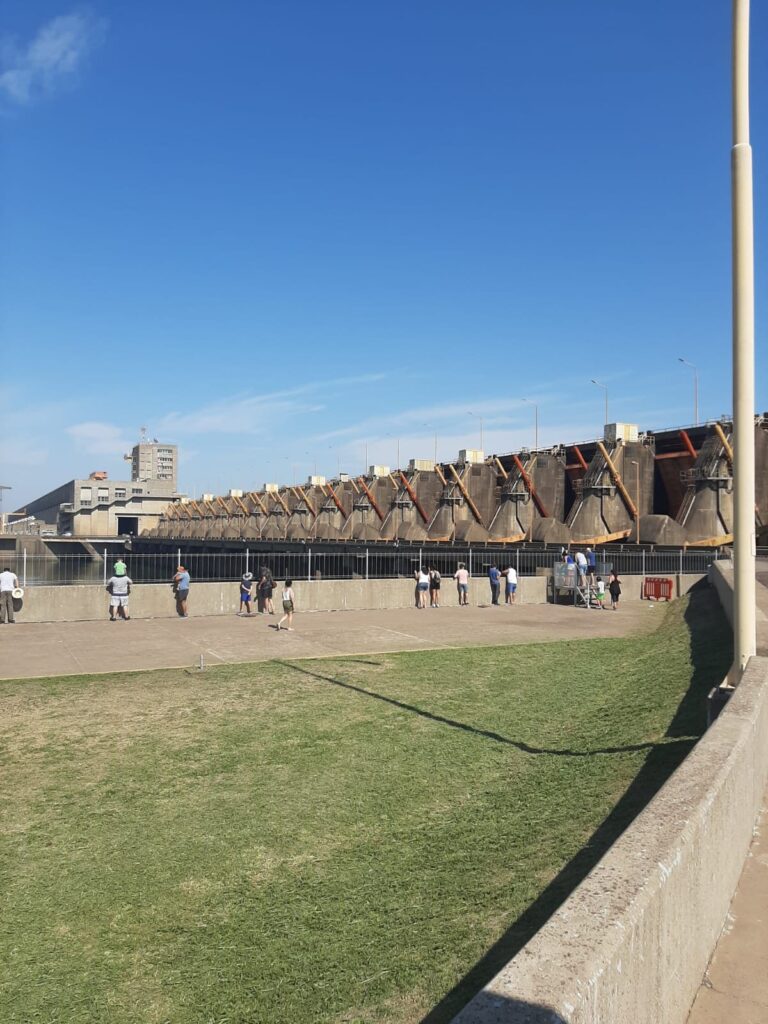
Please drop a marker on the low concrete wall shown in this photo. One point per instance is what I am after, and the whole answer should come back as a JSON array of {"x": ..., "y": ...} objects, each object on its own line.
[
  {"x": 632, "y": 942},
  {"x": 155, "y": 600},
  {"x": 721, "y": 578}
]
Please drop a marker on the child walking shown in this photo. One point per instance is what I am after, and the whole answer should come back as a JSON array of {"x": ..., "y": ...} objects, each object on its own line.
[{"x": 288, "y": 600}]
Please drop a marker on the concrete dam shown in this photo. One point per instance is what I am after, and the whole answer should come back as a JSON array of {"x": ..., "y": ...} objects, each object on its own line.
[{"x": 667, "y": 488}]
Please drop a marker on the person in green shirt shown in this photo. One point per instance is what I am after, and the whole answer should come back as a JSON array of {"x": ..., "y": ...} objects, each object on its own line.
[{"x": 120, "y": 567}]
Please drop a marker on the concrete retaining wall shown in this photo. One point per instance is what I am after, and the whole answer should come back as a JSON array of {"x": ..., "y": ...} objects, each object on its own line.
[
  {"x": 155, "y": 600},
  {"x": 721, "y": 578},
  {"x": 632, "y": 942}
]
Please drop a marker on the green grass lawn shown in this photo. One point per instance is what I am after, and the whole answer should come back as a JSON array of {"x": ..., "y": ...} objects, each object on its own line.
[{"x": 357, "y": 839}]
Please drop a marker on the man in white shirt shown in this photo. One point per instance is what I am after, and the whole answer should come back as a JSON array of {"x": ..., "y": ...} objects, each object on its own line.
[
  {"x": 581, "y": 567},
  {"x": 511, "y": 586},
  {"x": 119, "y": 587},
  {"x": 8, "y": 583}
]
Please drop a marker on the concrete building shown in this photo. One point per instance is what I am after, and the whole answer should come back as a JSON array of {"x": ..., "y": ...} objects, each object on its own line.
[
  {"x": 154, "y": 461},
  {"x": 99, "y": 507}
]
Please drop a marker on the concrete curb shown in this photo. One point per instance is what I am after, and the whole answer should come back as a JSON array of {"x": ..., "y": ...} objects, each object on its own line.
[{"x": 633, "y": 940}]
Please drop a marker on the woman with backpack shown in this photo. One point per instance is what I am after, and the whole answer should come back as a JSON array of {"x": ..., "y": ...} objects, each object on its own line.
[{"x": 434, "y": 587}]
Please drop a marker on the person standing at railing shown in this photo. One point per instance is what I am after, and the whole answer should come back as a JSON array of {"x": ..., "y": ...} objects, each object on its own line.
[
  {"x": 119, "y": 589},
  {"x": 120, "y": 568},
  {"x": 434, "y": 587},
  {"x": 181, "y": 583},
  {"x": 494, "y": 578},
  {"x": 591, "y": 564},
  {"x": 246, "y": 593},
  {"x": 8, "y": 583},
  {"x": 266, "y": 588},
  {"x": 422, "y": 586},
  {"x": 581, "y": 567},
  {"x": 462, "y": 584},
  {"x": 510, "y": 587}
]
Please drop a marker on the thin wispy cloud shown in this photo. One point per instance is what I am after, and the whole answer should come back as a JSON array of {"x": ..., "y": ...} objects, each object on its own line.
[
  {"x": 97, "y": 438},
  {"x": 50, "y": 60},
  {"x": 249, "y": 414}
]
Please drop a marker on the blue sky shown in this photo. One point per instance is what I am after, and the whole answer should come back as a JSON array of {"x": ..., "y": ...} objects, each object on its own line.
[{"x": 277, "y": 232}]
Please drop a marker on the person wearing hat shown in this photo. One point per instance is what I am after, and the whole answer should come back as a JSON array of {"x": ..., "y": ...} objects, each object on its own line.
[
  {"x": 246, "y": 588},
  {"x": 181, "y": 591},
  {"x": 8, "y": 583}
]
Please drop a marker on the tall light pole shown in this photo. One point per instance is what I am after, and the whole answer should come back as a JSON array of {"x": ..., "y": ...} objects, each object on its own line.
[
  {"x": 743, "y": 283},
  {"x": 695, "y": 388},
  {"x": 605, "y": 389},
  {"x": 431, "y": 426},
  {"x": 536, "y": 423},
  {"x": 478, "y": 417},
  {"x": 636, "y": 464},
  {"x": 397, "y": 466}
]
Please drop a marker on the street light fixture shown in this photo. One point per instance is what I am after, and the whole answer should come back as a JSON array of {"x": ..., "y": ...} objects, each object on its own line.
[
  {"x": 605, "y": 389},
  {"x": 695, "y": 388},
  {"x": 536, "y": 423}
]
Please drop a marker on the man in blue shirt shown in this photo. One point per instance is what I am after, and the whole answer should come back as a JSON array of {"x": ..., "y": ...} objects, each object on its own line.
[
  {"x": 495, "y": 579},
  {"x": 591, "y": 560},
  {"x": 181, "y": 591}
]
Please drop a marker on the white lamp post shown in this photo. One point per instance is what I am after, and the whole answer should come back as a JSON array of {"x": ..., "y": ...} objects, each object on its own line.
[{"x": 744, "y": 618}]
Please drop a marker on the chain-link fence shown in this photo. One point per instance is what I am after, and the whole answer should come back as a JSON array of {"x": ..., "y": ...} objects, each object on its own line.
[{"x": 353, "y": 562}]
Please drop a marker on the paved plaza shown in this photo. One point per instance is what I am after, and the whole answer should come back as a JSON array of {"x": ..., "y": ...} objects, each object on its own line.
[{"x": 52, "y": 649}]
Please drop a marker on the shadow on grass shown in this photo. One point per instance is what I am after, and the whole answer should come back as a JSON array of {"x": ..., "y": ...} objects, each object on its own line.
[
  {"x": 710, "y": 647},
  {"x": 487, "y": 734},
  {"x": 710, "y": 651}
]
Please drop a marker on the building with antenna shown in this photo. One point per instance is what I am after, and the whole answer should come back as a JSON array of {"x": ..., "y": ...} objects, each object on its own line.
[{"x": 99, "y": 507}]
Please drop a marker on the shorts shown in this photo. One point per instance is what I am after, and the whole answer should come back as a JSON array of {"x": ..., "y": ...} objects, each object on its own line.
[
  {"x": 423, "y": 586},
  {"x": 245, "y": 598},
  {"x": 463, "y": 588},
  {"x": 434, "y": 585},
  {"x": 511, "y": 588},
  {"x": 287, "y": 606},
  {"x": 267, "y": 592},
  {"x": 182, "y": 595},
  {"x": 118, "y": 601}
]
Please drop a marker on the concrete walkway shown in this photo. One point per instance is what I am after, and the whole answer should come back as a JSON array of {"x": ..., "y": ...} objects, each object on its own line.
[
  {"x": 29, "y": 650},
  {"x": 735, "y": 987}
]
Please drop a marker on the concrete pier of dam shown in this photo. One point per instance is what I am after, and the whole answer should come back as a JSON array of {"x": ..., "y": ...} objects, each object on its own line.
[{"x": 666, "y": 488}]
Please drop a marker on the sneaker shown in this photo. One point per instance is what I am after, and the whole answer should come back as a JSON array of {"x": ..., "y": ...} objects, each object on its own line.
[{"x": 290, "y": 629}]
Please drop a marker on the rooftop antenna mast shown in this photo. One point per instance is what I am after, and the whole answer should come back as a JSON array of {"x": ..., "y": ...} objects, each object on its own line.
[{"x": 3, "y": 487}]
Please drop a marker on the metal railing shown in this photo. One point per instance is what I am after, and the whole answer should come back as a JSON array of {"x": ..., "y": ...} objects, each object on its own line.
[{"x": 310, "y": 563}]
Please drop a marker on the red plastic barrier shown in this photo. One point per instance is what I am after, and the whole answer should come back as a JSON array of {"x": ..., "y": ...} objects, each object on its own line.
[{"x": 657, "y": 588}]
